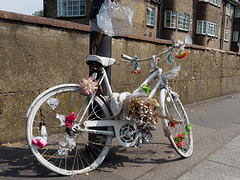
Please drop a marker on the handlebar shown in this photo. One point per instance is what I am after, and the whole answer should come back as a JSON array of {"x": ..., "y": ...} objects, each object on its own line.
[{"x": 135, "y": 58}]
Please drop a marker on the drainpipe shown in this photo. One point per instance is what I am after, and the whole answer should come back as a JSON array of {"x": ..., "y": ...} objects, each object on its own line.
[
  {"x": 158, "y": 18},
  {"x": 223, "y": 25}
]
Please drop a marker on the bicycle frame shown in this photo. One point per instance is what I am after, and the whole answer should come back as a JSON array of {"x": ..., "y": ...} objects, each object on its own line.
[{"x": 157, "y": 73}]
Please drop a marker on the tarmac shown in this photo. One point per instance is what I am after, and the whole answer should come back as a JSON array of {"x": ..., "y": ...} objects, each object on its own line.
[{"x": 216, "y": 132}]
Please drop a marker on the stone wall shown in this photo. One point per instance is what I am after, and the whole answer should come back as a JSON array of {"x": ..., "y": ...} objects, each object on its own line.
[{"x": 38, "y": 53}]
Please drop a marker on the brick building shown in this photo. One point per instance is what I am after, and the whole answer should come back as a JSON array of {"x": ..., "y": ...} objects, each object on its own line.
[{"x": 211, "y": 23}]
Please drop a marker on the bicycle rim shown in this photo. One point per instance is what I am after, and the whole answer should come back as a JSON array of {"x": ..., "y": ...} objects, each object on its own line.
[
  {"x": 65, "y": 153},
  {"x": 179, "y": 126}
]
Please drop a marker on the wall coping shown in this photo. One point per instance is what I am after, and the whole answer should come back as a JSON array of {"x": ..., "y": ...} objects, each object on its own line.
[{"x": 81, "y": 27}]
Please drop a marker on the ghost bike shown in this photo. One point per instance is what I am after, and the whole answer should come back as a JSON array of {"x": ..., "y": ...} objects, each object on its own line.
[{"x": 70, "y": 132}]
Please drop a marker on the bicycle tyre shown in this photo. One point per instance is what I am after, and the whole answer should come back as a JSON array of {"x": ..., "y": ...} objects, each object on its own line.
[
  {"x": 86, "y": 155},
  {"x": 180, "y": 133}
]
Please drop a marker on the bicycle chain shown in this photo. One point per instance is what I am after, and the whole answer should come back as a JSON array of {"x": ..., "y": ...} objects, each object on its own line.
[{"x": 95, "y": 143}]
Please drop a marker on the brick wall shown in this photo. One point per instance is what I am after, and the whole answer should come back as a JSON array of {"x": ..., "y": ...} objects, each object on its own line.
[{"x": 38, "y": 53}]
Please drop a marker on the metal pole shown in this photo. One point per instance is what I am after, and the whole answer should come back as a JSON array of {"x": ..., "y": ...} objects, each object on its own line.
[{"x": 104, "y": 47}]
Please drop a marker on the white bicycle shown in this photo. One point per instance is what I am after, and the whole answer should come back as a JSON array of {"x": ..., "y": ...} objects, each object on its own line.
[{"x": 70, "y": 132}]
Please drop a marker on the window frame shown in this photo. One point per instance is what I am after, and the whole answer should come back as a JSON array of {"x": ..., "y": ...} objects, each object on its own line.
[
  {"x": 217, "y": 26},
  {"x": 228, "y": 9},
  {"x": 183, "y": 21},
  {"x": 235, "y": 36},
  {"x": 214, "y": 2},
  {"x": 226, "y": 35},
  {"x": 172, "y": 25},
  {"x": 211, "y": 29},
  {"x": 65, "y": 9},
  {"x": 152, "y": 12},
  {"x": 202, "y": 26},
  {"x": 219, "y": 3},
  {"x": 203, "y": 0},
  {"x": 237, "y": 12}
]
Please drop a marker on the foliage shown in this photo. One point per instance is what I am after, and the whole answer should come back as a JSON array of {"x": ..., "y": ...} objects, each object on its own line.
[{"x": 38, "y": 13}]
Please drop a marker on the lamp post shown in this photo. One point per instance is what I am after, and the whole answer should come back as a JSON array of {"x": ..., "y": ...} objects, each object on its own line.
[{"x": 100, "y": 44}]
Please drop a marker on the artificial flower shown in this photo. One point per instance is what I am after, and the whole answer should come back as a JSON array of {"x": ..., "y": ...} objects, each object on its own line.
[
  {"x": 69, "y": 119},
  {"x": 136, "y": 72},
  {"x": 180, "y": 144},
  {"x": 171, "y": 124},
  {"x": 145, "y": 89},
  {"x": 188, "y": 127},
  {"x": 88, "y": 86},
  {"x": 180, "y": 55},
  {"x": 39, "y": 141}
]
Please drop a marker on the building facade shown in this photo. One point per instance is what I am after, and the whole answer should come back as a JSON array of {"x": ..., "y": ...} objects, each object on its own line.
[{"x": 210, "y": 23}]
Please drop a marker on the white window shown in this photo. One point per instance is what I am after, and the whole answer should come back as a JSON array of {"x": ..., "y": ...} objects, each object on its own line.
[
  {"x": 201, "y": 27},
  {"x": 219, "y": 3},
  {"x": 235, "y": 36},
  {"x": 226, "y": 35},
  {"x": 211, "y": 29},
  {"x": 183, "y": 21},
  {"x": 228, "y": 9},
  {"x": 71, "y": 8},
  {"x": 237, "y": 12},
  {"x": 170, "y": 19},
  {"x": 217, "y": 31},
  {"x": 150, "y": 16},
  {"x": 214, "y": 2},
  {"x": 204, "y": 0}
]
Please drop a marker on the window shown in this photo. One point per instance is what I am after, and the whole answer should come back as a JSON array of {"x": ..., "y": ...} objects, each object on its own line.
[
  {"x": 71, "y": 8},
  {"x": 235, "y": 36},
  {"x": 201, "y": 27},
  {"x": 226, "y": 35},
  {"x": 150, "y": 16},
  {"x": 217, "y": 31},
  {"x": 237, "y": 12},
  {"x": 219, "y": 3},
  {"x": 211, "y": 29},
  {"x": 204, "y": 0},
  {"x": 228, "y": 9},
  {"x": 183, "y": 21},
  {"x": 214, "y": 2},
  {"x": 170, "y": 19}
]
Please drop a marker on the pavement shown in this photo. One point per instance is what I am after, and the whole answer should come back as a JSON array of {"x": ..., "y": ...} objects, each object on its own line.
[
  {"x": 223, "y": 164},
  {"x": 216, "y": 132}
]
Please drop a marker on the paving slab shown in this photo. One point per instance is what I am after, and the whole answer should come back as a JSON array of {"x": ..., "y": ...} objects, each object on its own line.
[{"x": 222, "y": 165}]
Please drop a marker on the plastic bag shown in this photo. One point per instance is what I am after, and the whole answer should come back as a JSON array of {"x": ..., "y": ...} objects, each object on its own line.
[{"x": 113, "y": 19}]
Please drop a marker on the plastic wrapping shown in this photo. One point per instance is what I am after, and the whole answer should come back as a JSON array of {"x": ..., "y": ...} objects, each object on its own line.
[
  {"x": 113, "y": 19},
  {"x": 172, "y": 73}
]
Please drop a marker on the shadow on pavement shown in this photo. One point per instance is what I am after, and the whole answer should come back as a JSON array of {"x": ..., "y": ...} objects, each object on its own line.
[{"x": 19, "y": 162}]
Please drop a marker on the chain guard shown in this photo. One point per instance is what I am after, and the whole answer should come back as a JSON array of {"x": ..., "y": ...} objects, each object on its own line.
[{"x": 127, "y": 133}]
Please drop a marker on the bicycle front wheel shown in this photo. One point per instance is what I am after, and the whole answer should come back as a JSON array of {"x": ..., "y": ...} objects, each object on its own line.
[
  {"x": 54, "y": 143},
  {"x": 177, "y": 123}
]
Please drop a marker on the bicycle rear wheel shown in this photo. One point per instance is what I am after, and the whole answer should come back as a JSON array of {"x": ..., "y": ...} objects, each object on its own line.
[
  {"x": 177, "y": 122},
  {"x": 61, "y": 149}
]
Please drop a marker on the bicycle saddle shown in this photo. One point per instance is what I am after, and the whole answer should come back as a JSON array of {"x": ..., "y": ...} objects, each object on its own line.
[{"x": 104, "y": 61}]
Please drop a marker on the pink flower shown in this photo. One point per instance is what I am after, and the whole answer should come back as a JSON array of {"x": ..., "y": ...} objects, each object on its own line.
[
  {"x": 136, "y": 72},
  {"x": 88, "y": 86},
  {"x": 69, "y": 119},
  {"x": 39, "y": 141},
  {"x": 180, "y": 144},
  {"x": 180, "y": 135}
]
